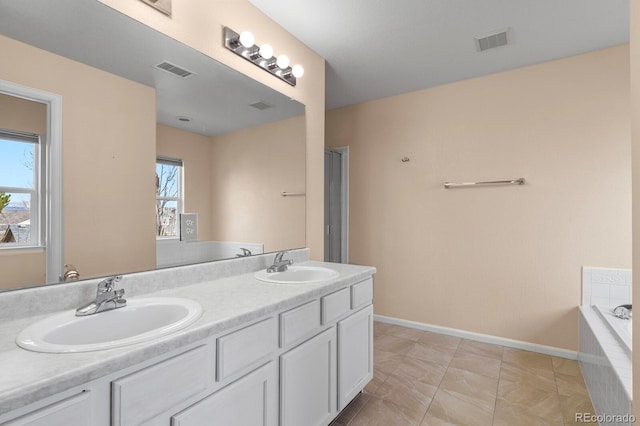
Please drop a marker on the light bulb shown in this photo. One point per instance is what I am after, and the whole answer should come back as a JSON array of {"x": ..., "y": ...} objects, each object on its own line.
[
  {"x": 247, "y": 39},
  {"x": 297, "y": 71},
  {"x": 283, "y": 61},
  {"x": 266, "y": 51}
]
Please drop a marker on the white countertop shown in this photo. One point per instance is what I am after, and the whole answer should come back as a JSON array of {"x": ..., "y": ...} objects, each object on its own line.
[{"x": 26, "y": 377}]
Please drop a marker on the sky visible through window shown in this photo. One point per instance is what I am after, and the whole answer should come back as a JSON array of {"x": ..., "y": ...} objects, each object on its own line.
[{"x": 16, "y": 168}]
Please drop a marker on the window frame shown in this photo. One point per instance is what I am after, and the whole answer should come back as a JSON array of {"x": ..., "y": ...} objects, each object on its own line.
[
  {"x": 37, "y": 207},
  {"x": 53, "y": 223},
  {"x": 177, "y": 162}
]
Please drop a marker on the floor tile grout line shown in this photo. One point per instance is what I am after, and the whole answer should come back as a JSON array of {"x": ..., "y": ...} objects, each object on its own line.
[
  {"x": 495, "y": 403},
  {"x": 405, "y": 355},
  {"x": 440, "y": 383},
  {"x": 555, "y": 380}
]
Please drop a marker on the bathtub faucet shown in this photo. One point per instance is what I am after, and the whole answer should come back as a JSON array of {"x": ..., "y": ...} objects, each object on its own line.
[{"x": 623, "y": 311}]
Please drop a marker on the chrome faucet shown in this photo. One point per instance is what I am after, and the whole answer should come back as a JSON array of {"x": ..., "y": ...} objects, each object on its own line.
[
  {"x": 279, "y": 265},
  {"x": 107, "y": 298},
  {"x": 623, "y": 312},
  {"x": 245, "y": 252}
]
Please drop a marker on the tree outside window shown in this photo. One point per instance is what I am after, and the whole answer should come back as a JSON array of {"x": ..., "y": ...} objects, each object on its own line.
[
  {"x": 169, "y": 203},
  {"x": 20, "y": 192}
]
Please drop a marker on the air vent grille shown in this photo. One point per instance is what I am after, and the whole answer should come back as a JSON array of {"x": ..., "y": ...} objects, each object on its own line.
[
  {"x": 174, "y": 69},
  {"x": 492, "y": 40},
  {"x": 261, "y": 105}
]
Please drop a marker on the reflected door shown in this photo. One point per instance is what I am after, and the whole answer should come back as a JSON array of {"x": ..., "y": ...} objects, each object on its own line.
[{"x": 332, "y": 205}]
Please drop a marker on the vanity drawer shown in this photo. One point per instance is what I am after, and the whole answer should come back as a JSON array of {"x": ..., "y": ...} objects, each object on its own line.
[
  {"x": 335, "y": 305},
  {"x": 299, "y": 322},
  {"x": 74, "y": 411},
  {"x": 143, "y": 395},
  {"x": 361, "y": 293},
  {"x": 245, "y": 349}
]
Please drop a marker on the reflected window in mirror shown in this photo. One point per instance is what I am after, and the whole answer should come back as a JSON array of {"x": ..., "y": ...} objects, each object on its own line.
[
  {"x": 169, "y": 197},
  {"x": 21, "y": 189}
]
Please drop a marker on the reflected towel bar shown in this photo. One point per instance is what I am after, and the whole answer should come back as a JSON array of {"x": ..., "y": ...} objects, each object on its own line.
[
  {"x": 292, "y": 194},
  {"x": 520, "y": 181}
]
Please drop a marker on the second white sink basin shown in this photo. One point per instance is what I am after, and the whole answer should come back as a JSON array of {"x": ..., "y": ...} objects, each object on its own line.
[
  {"x": 141, "y": 320},
  {"x": 298, "y": 275}
]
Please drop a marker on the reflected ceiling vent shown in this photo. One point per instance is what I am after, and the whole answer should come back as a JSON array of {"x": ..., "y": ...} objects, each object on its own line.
[
  {"x": 261, "y": 105},
  {"x": 492, "y": 40},
  {"x": 174, "y": 69}
]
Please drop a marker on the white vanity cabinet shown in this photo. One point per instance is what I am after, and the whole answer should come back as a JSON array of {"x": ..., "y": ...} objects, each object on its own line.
[
  {"x": 318, "y": 378},
  {"x": 295, "y": 367},
  {"x": 355, "y": 354},
  {"x": 308, "y": 382},
  {"x": 223, "y": 376},
  {"x": 251, "y": 400},
  {"x": 145, "y": 396},
  {"x": 72, "y": 411}
]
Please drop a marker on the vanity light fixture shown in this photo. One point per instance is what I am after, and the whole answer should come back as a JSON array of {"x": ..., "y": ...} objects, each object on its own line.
[
  {"x": 283, "y": 61},
  {"x": 266, "y": 51},
  {"x": 243, "y": 44},
  {"x": 247, "y": 39}
]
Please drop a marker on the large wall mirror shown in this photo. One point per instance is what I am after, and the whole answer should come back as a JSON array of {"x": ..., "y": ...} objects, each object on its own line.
[{"x": 150, "y": 128}]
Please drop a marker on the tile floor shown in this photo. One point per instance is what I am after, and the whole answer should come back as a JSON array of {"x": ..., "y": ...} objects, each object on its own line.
[{"x": 423, "y": 378}]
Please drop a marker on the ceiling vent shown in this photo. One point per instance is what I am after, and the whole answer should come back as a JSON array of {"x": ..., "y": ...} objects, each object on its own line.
[
  {"x": 174, "y": 69},
  {"x": 261, "y": 105},
  {"x": 492, "y": 40}
]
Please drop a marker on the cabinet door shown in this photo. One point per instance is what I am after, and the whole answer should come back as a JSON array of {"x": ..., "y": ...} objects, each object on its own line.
[
  {"x": 308, "y": 382},
  {"x": 355, "y": 354},
  {"x": 252, "y": 400}
]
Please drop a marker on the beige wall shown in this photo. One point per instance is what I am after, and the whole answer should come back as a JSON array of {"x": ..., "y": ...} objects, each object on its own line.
[
  {"x": 634, "y": 38},
  {"x": 116, "y": 164},
  {"x": 234, "y": 181},
  {"x": 199, "y": 24},
  {"x": 195, "y": 152},
  {"x": 22, "y": 115},
  {"x": 109, "y": 150},
  {"x": 504, "y": 261},
  {"x": 250, "y": 170},
  {"x": 22, "y": 267}
]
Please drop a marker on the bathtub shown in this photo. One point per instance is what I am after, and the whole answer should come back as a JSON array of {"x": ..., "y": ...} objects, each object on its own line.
[
  {"x": 605, "y": 361},
  {"x": 621, "y": 327}
]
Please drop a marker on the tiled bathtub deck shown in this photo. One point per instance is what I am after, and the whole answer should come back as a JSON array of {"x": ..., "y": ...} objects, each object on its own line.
[{"x": 423, "y": 378}]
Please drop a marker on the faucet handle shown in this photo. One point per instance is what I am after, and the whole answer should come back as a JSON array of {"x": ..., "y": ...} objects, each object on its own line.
[{"x": 106, "y": 285}]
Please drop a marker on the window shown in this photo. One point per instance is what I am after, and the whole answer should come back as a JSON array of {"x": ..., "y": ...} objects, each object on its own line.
[
  {"x": 169, "y": 203},
  {"x": 21, "y": 174}
]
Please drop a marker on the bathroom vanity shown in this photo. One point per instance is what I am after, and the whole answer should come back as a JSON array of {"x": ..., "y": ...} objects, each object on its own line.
[{"x": 261, "y": 354}]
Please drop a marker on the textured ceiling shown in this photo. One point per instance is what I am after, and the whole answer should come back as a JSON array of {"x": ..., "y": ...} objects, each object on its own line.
[{"x": 380, "y": 48}]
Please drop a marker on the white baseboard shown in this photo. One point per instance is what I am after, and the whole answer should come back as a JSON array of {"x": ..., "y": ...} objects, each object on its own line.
[{"x": 486, "y": 338}]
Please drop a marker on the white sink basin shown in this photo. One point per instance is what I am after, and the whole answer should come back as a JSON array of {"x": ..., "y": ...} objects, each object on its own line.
[
  {"x": 298, "y": 275},
  {"x": 141, "y": 320}
]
